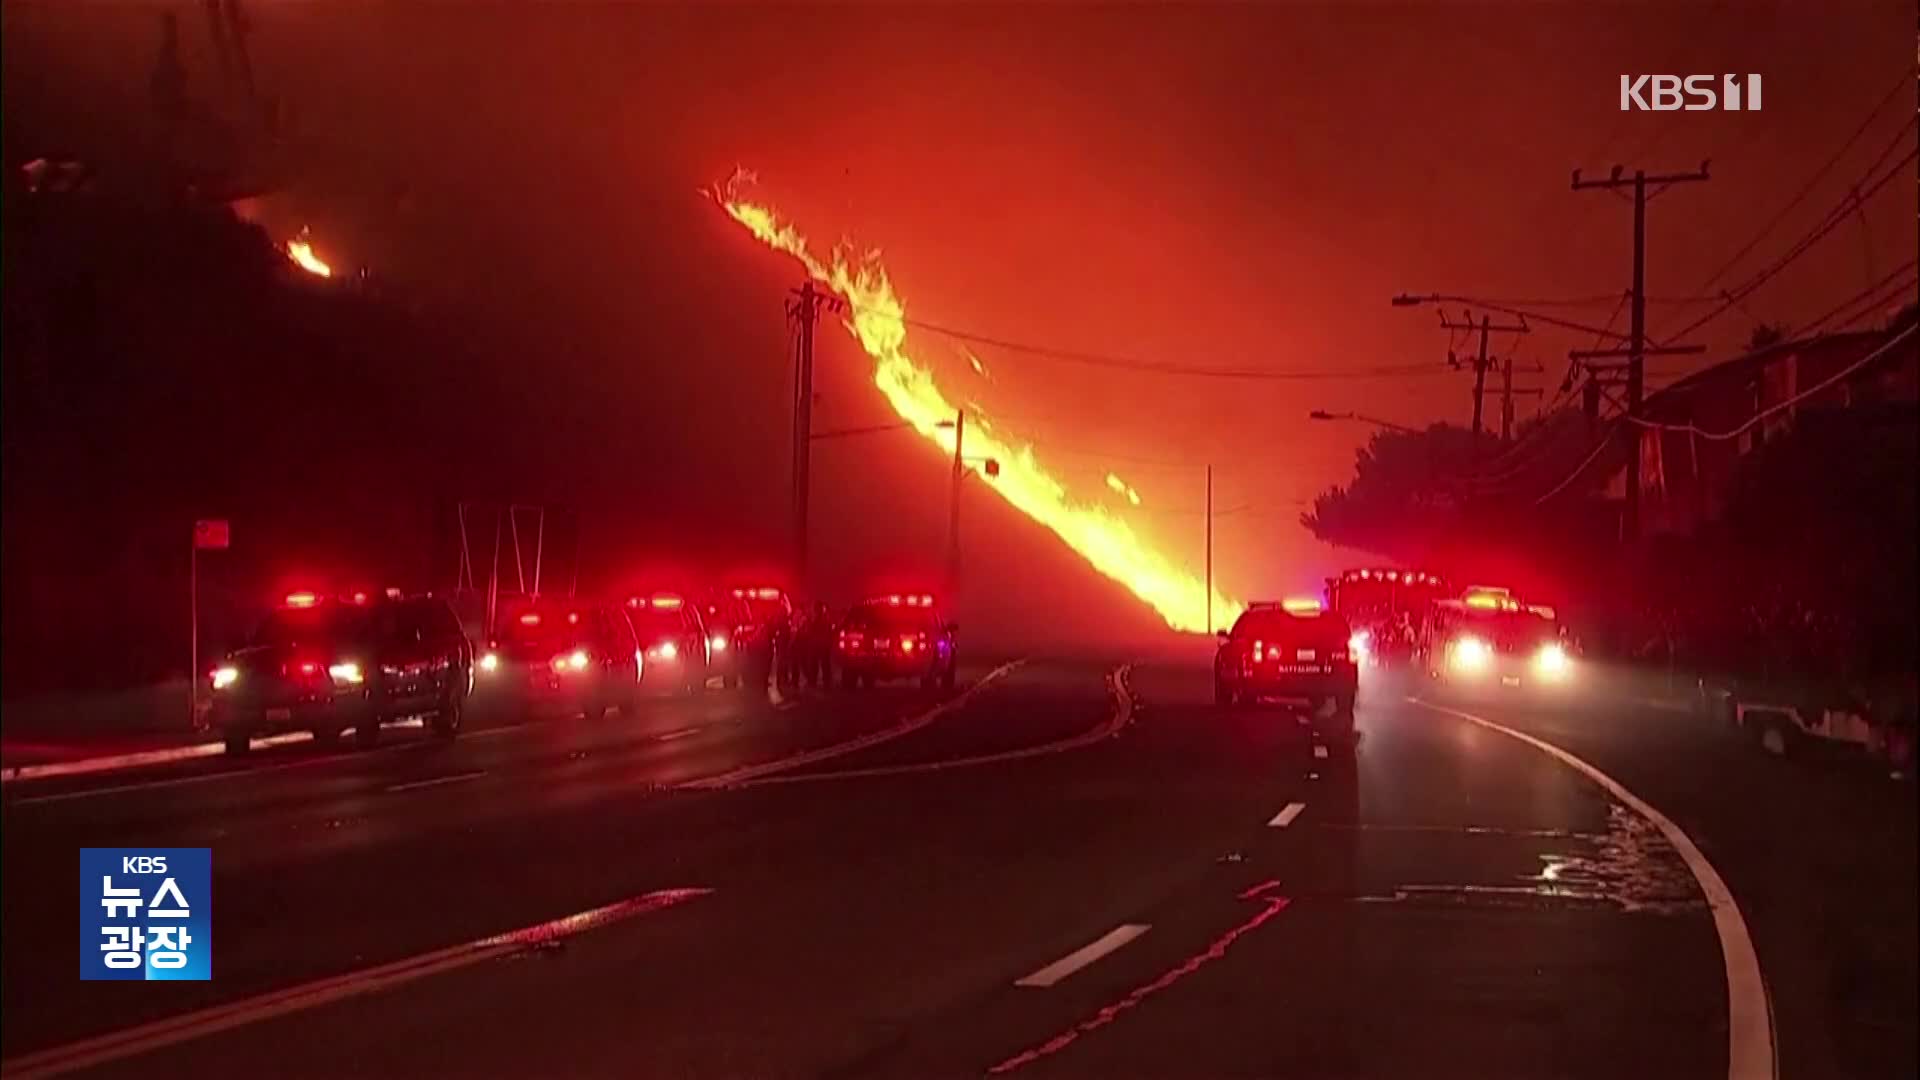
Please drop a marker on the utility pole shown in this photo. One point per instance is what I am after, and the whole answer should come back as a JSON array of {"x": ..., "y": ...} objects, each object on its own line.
[
  {"x": 805, "y": 310},
  {"x": 1637, "y": 351},
  {"x": 1209, "y": 551},
  {"x": 1508, "y": 392},
  {"x": 1486, "y": 328},
  {"x": 953, "y": 512}
]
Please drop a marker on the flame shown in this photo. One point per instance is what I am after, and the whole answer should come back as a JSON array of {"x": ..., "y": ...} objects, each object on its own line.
[
  {"x": 300, "y": 251},
  {"x": 876, "y": 317},
  {"x": 1121, "y": 487}
]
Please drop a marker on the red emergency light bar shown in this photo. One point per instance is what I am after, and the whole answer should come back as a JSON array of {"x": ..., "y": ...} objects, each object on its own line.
[
  {"x": 531, "y": 618},
  {"x": 908, "y": 599},
  {"x": 302, "y": 599},
  {"x": 1301, "y": 605}
]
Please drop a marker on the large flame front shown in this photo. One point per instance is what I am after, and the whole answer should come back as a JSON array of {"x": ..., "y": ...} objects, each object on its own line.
[{"x": 877, "y": 320}]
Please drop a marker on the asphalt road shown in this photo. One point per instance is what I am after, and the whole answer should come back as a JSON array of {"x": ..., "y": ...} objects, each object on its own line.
[{"x": 1069, "y": 868}]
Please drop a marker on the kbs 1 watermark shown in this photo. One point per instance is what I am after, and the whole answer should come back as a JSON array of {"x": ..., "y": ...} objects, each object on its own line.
[
  {"x": 1690, "y": 93},
  {"x": 146, "y": 913}
]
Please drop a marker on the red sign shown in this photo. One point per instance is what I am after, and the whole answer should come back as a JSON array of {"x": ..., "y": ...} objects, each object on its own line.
[{"x": 213, "y": 535}]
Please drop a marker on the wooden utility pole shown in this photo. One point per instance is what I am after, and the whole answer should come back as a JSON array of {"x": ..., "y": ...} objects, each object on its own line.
[
  {"x": 1486, "y": 328},
  {"x": 1636, "y": 350},
  {"x": 953, "y": 511},
  {"x": 804, "y": 310}
]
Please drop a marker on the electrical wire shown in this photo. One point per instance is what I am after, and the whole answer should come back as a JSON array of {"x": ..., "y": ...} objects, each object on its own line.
[
  {"x": 1124, "y": 363},
  {"x": 1854, "y": 198},
  {"x": 1722, "y": 436},
  {"x": 1905, "y": 82},
  {"x": 1865, "y": 298},
  {"x": 1605, "y": 438}
]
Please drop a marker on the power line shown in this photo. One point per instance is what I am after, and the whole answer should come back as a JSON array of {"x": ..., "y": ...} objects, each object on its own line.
[
  {"x": 1866, "y": 297},
  {"x": 1905, "y": 82},
  {"x": 1833, "y": 220},
  {"x": 1722, "y": 436},
  {"x": 1125, "y": 363},
  {"x": 1582, "y": 467}
]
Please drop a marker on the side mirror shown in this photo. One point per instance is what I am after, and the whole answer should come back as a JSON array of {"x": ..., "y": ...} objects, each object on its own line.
[{"x": 1223, "y": 635}]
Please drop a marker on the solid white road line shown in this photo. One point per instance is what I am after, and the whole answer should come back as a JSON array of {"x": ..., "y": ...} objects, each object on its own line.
[
  {"x": 1081, "y": 957},
  {"x": 1750, "y": 1036},
  {"x": 677, "y": 733},
  {"x": 1286, "y": 815},
  {"x": 1122, "y": 715},
  {"x": 118, "y": 1045},
  {"x": 437, "y": 781},
  {"x": 737, "y": 777}
]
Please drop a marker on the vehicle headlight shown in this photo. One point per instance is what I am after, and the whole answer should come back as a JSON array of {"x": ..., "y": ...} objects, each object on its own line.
[
  {"x": 1470, "y": 654},
  {"x": 573, "y": 661},
  {"x": 1552, "y": 661},
  {"x": 718, "y": 643},
  {"x": 224, "y": 677},
  {"x": 666, "y": 650},
  {"x": 490, "y": 663},
  {"x": 346, "y": 672}
]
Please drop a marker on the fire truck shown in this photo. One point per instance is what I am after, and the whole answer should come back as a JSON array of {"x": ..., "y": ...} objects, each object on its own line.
[{"x": 1386, "y": 607}]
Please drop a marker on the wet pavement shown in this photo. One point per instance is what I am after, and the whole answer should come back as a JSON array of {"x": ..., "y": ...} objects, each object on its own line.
[{"x": 1064, "y": 872}]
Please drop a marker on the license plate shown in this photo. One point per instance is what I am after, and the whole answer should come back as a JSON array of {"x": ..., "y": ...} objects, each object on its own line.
[
  {"x": 1509, "y": 680},
  {"x": 1305, "y": 654},
  {"x": 279, "y": 714}
]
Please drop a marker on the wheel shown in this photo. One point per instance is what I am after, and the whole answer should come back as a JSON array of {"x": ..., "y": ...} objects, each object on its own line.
[
  {"x": 1222, "y": 695},
  {"x": 927, "y": 682},
  {"x": 596, "y": 710},
  {"x": 446, "y": 722},
  {"x": 366, "y": 733},
  {"x": 947, "y": 680},
  {"x": 326, "y": 736},
  {"x": 238, "y": 743}
]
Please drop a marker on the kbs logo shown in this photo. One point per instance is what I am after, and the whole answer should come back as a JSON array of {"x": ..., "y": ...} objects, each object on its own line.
[
  {"x": 1693, "y": 93},
  {"x": 146, "y": 913}
]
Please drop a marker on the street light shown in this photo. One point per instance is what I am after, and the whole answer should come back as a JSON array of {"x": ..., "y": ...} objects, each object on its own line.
[{"x": 1322, "y": 414}]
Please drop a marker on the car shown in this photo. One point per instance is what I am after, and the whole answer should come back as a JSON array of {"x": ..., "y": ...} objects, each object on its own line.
[
  {"x": 563, "y": 656},
  {"x": 1292, "y": 651},
  {"x": 897, "y": 636},
  {"x": 673, "y": 642},
  {"x": 323, "y": 664},
  {"x": 1489, "y": 641}
]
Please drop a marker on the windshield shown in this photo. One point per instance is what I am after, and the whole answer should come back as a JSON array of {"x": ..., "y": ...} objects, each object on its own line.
[{"x": 328, "y": 624}]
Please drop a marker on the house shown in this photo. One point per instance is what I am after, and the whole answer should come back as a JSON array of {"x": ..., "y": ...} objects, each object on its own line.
[{"x": 1701, "y": 427}]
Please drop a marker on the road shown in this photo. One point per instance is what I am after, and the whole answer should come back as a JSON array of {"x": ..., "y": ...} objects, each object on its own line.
[{"x": 1070, "y": 868}]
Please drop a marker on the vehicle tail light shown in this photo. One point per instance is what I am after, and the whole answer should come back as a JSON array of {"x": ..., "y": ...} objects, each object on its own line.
[{"x": 908, "y": 644}]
